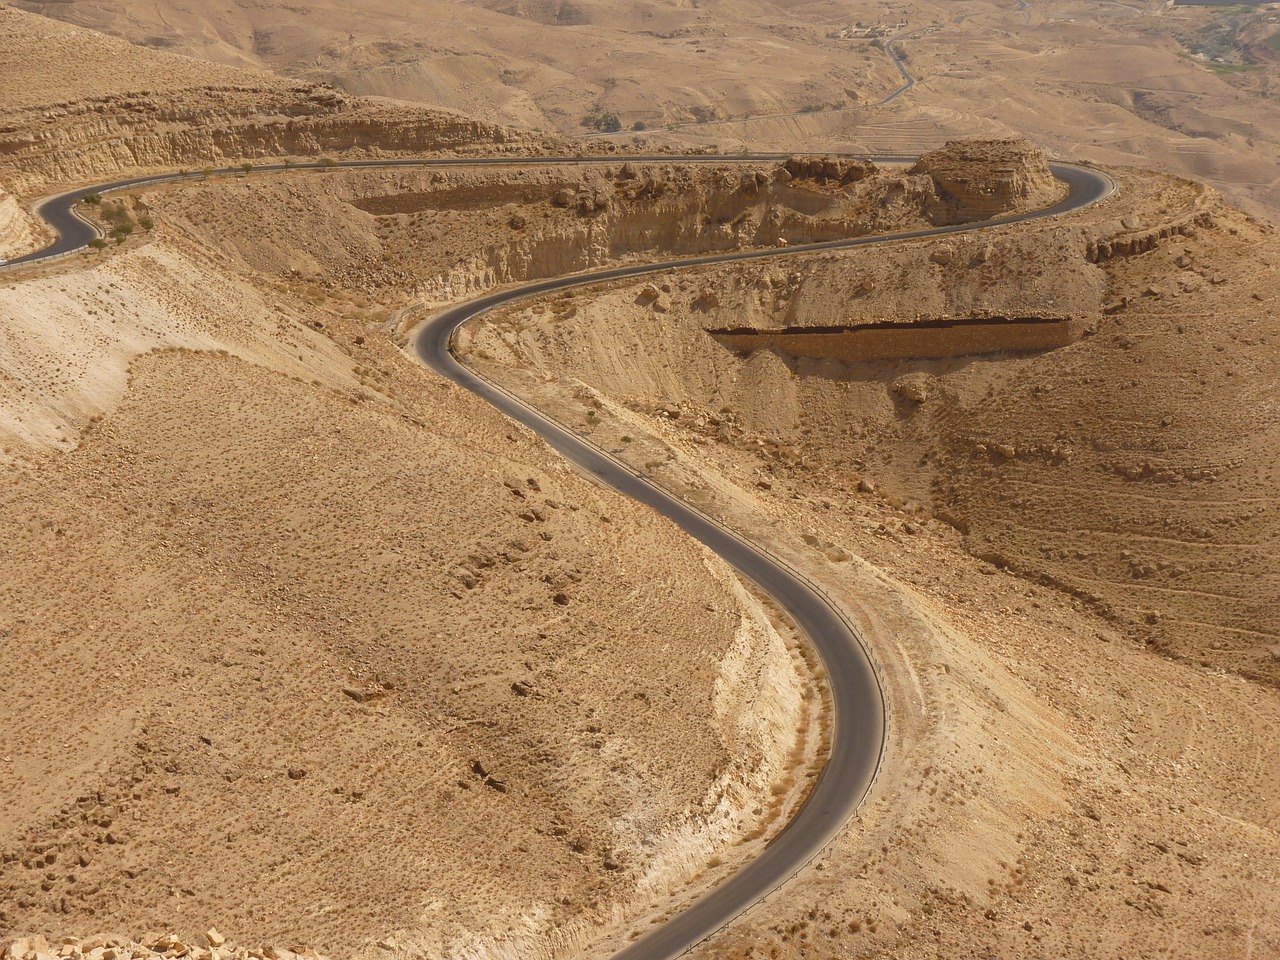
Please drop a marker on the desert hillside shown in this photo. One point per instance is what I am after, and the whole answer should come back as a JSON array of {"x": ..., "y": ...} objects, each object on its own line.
[
  {"x": 125, "y": 108},
  {"x": 1183, "y": 89},
  {"x": 1131, "y": 467},
  {"x": 308, "y": 650},
  {"x": 335, "y": 624},
  {"x": 1071, "y": 509}
]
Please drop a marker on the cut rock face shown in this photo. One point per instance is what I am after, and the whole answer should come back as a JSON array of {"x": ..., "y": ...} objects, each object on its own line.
[{"x": 982, "y": 179}]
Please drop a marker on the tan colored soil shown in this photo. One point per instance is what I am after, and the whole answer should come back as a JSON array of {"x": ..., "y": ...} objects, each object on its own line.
[
  {"x": 305, "y": 644},
  {"x": 274, "y": 596},
  {"x": 1058, "y": 787},
  {"x": 1117, "y": 83},
  {"x": 86, "y": 107}
]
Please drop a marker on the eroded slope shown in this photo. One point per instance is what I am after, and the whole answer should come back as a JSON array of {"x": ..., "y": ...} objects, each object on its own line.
[
  {"x": 337, "y": 636},
  {"x": 1020, "y": 528}
]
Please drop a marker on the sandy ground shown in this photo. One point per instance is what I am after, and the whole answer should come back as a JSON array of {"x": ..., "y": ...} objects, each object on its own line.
[
  {"x": 1187, "y": 90},
  {"x": 1059, "y": 787},
  {"x": 309, "y": 610},
  {"x": 305, "y": 645}
]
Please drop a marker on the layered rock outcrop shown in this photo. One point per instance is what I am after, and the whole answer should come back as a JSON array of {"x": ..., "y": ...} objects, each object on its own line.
[
  {"x": 983, "y": 179},
  {"x": 127, "y": 107},
  {"x": 840, "y": 170},
  {"x": 92, "y": 139}
]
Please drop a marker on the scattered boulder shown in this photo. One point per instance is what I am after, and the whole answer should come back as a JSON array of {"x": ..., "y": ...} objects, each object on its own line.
[
  {"x": 826, "y": 170},
  {"x": 706, "y": 299},
  {"x": 913, "y": 387}
]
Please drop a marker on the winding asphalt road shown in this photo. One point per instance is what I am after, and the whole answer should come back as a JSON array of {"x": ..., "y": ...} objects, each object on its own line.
[
  {"x": 909, "y": 81},
  {"x": 858, "y": 737}
]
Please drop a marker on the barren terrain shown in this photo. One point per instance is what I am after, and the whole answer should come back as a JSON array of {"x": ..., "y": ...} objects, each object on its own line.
[
  {"x": 1035, "y": 525},
  {"x": 434, "y": 666},
  {"x": 303, "y": 643},
  {"x": 1187, "y": 90}
]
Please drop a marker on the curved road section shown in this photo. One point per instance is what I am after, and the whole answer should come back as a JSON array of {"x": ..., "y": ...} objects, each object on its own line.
[
  {"x": 858, "y": 737},
  {"x": 908, "y": 81},
  {"x": 857, "y": 741}
]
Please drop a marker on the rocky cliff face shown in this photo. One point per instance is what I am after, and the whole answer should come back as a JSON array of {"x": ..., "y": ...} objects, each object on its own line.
[
  {"x": 93, "y": 139},
  {"x": 447, "y": 233},
  {"x": 126, "y": 107},
  {"x": 983, "y": 179}
]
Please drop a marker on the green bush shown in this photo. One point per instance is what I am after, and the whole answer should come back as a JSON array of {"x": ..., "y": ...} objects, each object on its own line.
[
  {"x": 118, "y": 216},
  {"x": 605, "y": 122}
]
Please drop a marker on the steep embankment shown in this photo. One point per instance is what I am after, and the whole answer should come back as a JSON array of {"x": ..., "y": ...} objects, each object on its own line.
[
  {"x": 444, "y": 233},
  {"x": 1128, "y": 423},
  {"x": 20, "y": 232}
]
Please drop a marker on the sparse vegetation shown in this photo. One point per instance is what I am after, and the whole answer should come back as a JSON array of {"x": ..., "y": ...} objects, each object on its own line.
[
  {"x": 1226, "y": 69},
  {"x": 602, "y": 120},
  {"x": 119, "y": 219}
]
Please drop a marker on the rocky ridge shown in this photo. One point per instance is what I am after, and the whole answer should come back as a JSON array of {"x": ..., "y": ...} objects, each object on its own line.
[
  {"x": 979, "y": 179},
  {"x": 129, "y": 108},
  {"x": 1064, "y": 513}
]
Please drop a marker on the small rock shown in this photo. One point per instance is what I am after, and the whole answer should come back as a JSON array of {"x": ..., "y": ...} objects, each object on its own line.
[
  {"x": 913, "y": 388},
  {"x": 296, "y": 773},
  {"x": 214, "y": 938}
]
